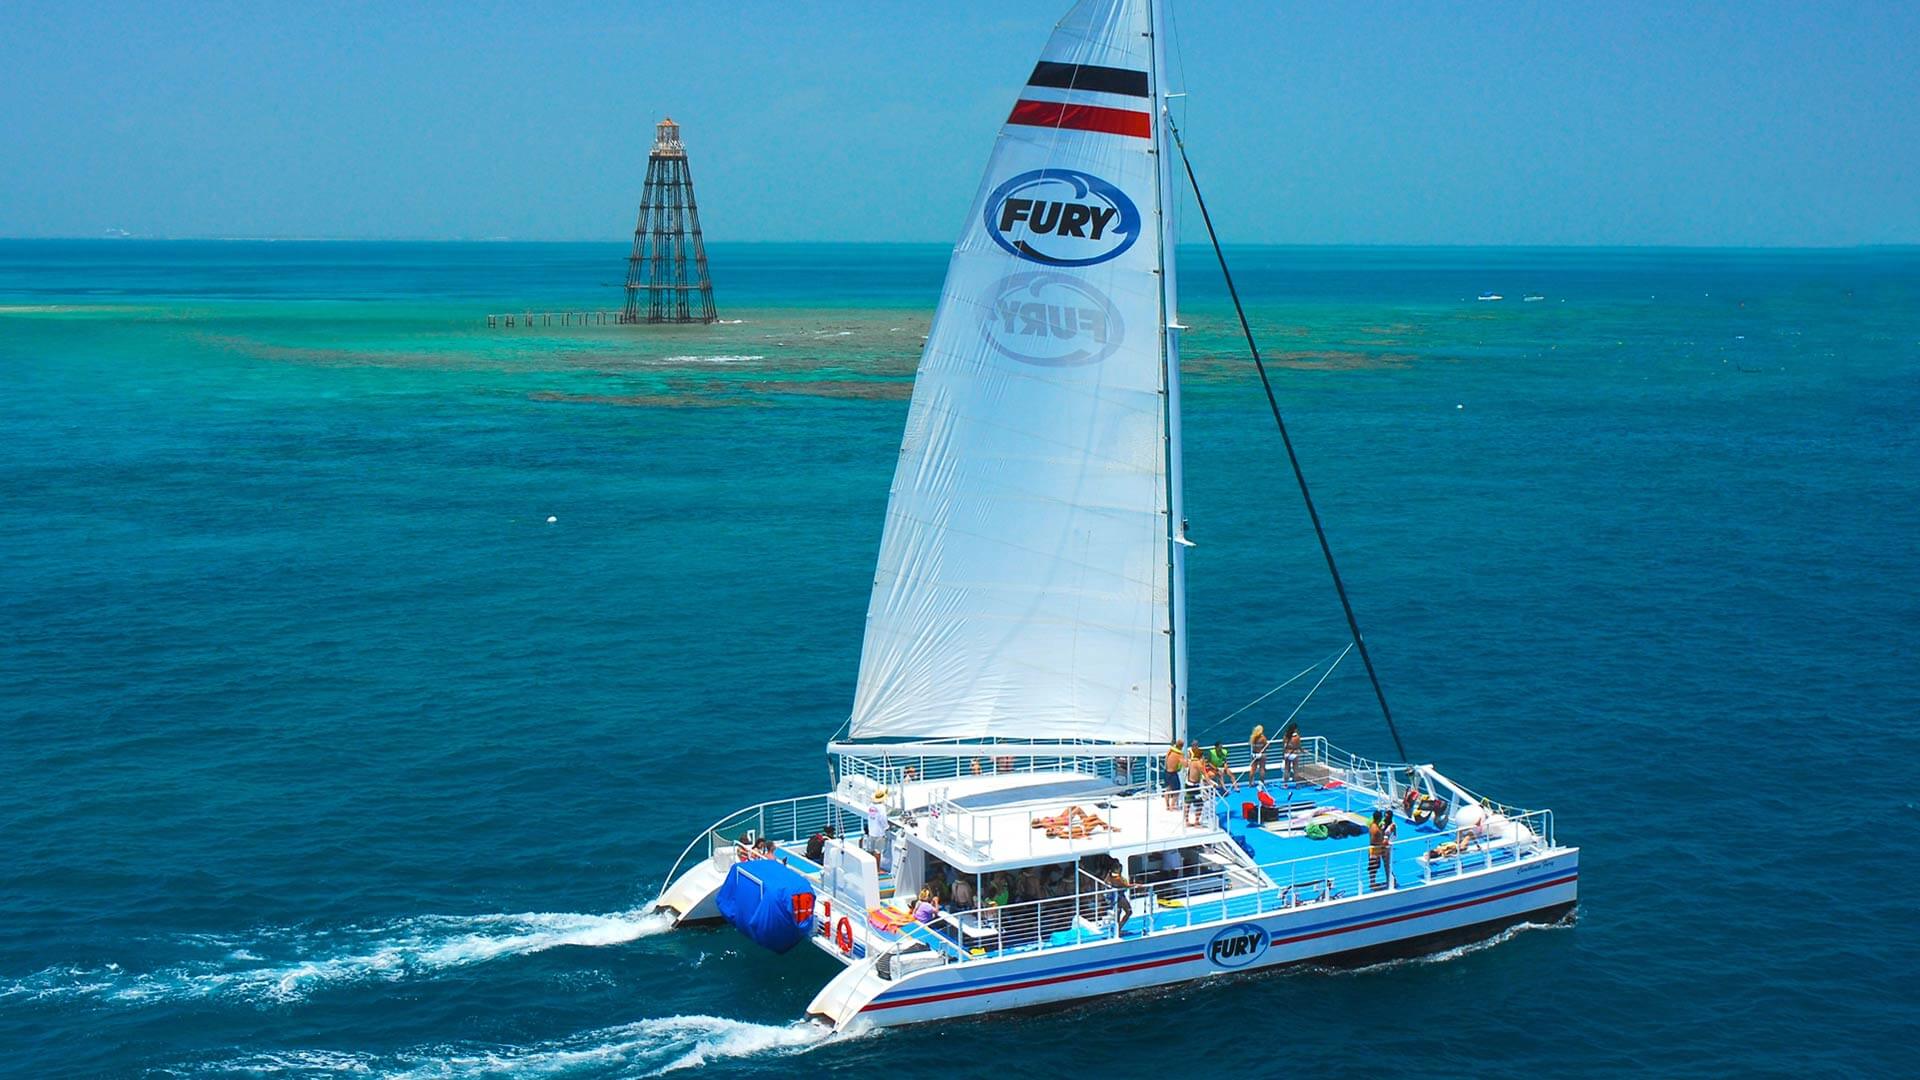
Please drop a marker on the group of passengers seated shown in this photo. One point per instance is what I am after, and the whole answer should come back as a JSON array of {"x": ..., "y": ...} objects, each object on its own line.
[
  {"x": 948, "y": 886},
  {"x": 1022, "y": 906},
  {"x": 750, "y": 847}
]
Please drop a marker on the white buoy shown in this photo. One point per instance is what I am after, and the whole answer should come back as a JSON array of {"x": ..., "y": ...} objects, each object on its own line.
[
  {"x": 551, "y": 519},
  {"x": 1459, "y": 406}
]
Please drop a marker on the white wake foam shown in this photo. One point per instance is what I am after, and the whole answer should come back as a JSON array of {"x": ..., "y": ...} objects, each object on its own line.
[
  {"x": 1447, "y": 955},
  {"x": 286, "y": 965},
  {"x": 644, "y": 1048}
]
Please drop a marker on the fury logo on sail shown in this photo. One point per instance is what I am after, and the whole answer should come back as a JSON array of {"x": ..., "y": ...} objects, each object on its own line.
[
  {"x": 1237, "y": 946},
  {"x": 1052, "y": 320},
  {"x": 1062, "y": 217}
]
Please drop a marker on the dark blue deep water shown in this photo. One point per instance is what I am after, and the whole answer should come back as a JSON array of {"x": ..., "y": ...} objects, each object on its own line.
[{"x": 322, "y": 751}]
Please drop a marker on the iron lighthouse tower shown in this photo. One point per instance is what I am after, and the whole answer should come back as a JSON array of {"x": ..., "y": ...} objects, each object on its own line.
[{"x": 668, "y": 266}]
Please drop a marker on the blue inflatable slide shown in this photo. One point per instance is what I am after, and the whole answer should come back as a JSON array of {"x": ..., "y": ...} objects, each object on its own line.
[{"x": 770, "y": 902}]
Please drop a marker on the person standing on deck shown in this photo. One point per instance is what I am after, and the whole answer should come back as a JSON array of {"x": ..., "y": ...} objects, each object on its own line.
[
  {"x": 1176, "y": 761},
  {"x": 1257, "y": 768},
  {"x": 1122, "y": 906},
  {"x": 1196, "y": 777},
  {"x": 1379, "y": 848},
  {"x": 877, "y": 823},
  {"x": 1290, "y": 756}
]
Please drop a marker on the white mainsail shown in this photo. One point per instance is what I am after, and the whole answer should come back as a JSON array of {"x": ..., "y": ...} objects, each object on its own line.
[{"x": 1028, "y": 584}]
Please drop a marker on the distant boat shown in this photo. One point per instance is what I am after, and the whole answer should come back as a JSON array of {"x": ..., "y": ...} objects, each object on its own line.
[
  {"x": 1491, "y": 296},
  {"x": 1531, "y": 297},
  {"x": 1024, "y": 668}
]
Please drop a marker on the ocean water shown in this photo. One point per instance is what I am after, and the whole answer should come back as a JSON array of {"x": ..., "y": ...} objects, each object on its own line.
[{"x": 322, "y": 751}]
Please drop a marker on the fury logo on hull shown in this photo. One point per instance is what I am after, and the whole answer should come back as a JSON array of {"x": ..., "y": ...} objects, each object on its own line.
[
  {"x": 1061, "y": 217},
  {"x": 1237, "y": 946},
  {"x": 1052, "y": 320}
]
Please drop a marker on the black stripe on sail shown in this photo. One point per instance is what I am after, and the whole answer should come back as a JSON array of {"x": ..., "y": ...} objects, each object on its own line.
[{"x": 1106, "y": 80}]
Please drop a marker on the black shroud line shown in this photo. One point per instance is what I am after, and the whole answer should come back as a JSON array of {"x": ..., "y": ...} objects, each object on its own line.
[{"x": 1292, "y": 458}]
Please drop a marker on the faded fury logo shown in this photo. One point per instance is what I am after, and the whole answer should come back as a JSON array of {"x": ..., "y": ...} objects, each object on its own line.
[
  {"x": 1062, "y": 217},
  {"x": 1237, "y": 946},
  {"x": 1054, "y": 320}
]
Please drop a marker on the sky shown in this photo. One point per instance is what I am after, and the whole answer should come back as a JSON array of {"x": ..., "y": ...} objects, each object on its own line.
[{"x": 1758, "y": 123}]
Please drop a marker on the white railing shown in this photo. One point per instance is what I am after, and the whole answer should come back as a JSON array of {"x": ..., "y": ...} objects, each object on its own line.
[
  {"x": 1233, "y": 893},
  {"x": 892, "y": 770},
  {"x": 880, "y": 769},
  {"x": 781, "y": 820},
  {"x": 955, "y": 827}
]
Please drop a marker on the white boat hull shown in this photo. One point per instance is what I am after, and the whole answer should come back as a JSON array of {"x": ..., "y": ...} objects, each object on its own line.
[
  {"x": 690, "y": 897},
  {"x": 1407, "y": 921}
]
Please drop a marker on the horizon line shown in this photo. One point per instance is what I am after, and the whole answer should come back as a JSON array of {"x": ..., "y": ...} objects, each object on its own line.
[{"x": 1467, "y": 245}]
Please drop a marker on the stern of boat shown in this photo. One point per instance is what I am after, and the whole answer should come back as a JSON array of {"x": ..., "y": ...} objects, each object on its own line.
[
  {"x": 847, "y": 994},
  {"x": 694, "y": 882}
]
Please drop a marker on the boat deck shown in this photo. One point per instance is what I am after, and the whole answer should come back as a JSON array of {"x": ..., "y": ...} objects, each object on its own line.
[{"x": 1302, "y": 871}]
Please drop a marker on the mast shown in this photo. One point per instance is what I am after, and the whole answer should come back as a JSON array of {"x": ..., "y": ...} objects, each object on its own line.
[{"x": 1166, "y": 235}]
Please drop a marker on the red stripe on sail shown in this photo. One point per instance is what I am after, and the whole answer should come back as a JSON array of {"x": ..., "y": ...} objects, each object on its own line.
[{"x": 1056, "y": 114}]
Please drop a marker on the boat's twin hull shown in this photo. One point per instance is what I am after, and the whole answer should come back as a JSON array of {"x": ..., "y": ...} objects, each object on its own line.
[{"x": 1403, "y": 922}]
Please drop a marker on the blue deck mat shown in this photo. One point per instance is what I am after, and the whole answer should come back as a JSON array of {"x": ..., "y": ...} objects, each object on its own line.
[{"x": 1060, "y": 789}]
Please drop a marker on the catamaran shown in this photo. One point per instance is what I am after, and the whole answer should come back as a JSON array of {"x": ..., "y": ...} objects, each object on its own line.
[{"x": 1001, "y": 829}]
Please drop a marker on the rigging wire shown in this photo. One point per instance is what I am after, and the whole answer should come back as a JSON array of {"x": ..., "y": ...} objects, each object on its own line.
[
  {"x": 1310, "y": 669},
  {"x": 1316, "y": 687},
  {"x": 1273, "y": 403}
]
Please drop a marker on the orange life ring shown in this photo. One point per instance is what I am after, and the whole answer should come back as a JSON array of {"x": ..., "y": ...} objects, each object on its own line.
[{"x": 843, "y": 935}]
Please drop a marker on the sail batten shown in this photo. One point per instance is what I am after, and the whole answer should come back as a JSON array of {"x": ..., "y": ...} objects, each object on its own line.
[{"x": 1025, "y": 586}]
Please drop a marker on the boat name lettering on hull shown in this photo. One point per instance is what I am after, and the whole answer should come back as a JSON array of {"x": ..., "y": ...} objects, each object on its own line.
[
  {"x": 1051, "y": 319},
  {"x": 1237, "y": 946},
  {"x": 1062, "y": 217}
]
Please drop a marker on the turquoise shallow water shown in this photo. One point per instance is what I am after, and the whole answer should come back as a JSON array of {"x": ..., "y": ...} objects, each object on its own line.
[{"x": 321, "y": 751}]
